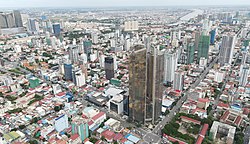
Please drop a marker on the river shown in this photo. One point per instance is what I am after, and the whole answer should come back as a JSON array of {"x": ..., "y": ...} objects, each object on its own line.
[{"x": 193, "y": 14}]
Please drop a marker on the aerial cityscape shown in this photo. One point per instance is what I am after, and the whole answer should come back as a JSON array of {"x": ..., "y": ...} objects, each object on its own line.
[{"x": 127, "y": 72}]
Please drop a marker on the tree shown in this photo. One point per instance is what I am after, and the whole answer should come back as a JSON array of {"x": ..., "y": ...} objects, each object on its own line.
[
  {"x": 129, "y": 128},
  {"x": 103, "y": 138},
  {"x": 68, "y": 135},
  {"x": 102, "y": 124},
  {"x": 22, "y": 126},
  {"x": 69, "y": 119},
  {"x": 220, "y": 85},
  {"x": 209, "y": 109},
  {"x": 166, "y": 112},
  {"x": 93, "y": 140},
  {"x": 14, "y": 129},
  {"x": 33, "y": 142},
  {"x": 57, "y": 108},
  {"x": 209, "y": 120},
  {"x": 239, "y": 138},
  {"x": 34, "y": 120}
]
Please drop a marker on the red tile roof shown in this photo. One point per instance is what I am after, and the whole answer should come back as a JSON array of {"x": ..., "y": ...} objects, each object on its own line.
[
  {"x": 199, "y": 110},
  {"x": 109, "y": 135},
  {"x": 99, "y": 142},
  {"x": 238, "y": 120},
  {"x": 61, "y": 94},
  {"x": 223, "y": 105},
  {"x": 245, "y": 111},
  {"x": 174, "y": 139},
  {"x": 191, "y": 120},
  {"x": 101, "y": 88},
  {"x": 123, "y": 140},
  {"x": 203, "y": 100},
  {"x": 90, "y": 123},
  {"x": 61, "y": 142},
  {"x": 74, "y": 137},
  {"x": 84, "y": 116},
  {"x": 118, "y": 137},
  {"x": 202, "y": 134},
  {"x": 199, "y": 140},
  {"x": 225, "y": 115},
  {"x": 98, "y": 116},
  {"x": 204, "y": 130}
]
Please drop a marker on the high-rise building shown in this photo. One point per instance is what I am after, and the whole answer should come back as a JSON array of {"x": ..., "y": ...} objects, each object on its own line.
[
  {"x": 190, "y": 53},
  {"x": 80, "y": 127},
  {"x": 61, "y": 123},
  {"x": 94, "y": 37},
  {"x": 3, "y": 22},
  {"x": 145, "y": 84},
  {"x": 206, "y": 26},
  {"x": 244, "y": 75},
  {"x": 212, "y": 36},
  {"x": 179, "y": 80},
  {"x": 78, "y": 77},
  {"x": 127, "y": 44},
  {"x": 244, "y": 57},
  {"x": 244, "y": 32},
  {"x": 33, "y": 25},
  {"x": 87, "y": 44},
  {"x": 109, "y": 67},
  {"x": 18, "y": 18},
  {"x": 203, "y": 47},
  {"x": 73, "y": 54},
  {"x": 197, "y": 39},
  {"x": 131, "y": 26},
  {"x": 10, "y": 20},
  {"x": 170, "y": 66},
  {"x": 56, "y": 29},
  {"x": 68, "y": 69},
  {"x": 226, "y": 50}
]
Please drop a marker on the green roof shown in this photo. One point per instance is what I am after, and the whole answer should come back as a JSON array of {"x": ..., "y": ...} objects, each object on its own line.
[
  {"x": 14, "y": 134},
  {"x": 7, "y": 137},
  {"x": 11, "y": 136}
]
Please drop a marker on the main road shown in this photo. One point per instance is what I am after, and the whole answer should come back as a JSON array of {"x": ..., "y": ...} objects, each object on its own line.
[{"x": 153, "y": 136}]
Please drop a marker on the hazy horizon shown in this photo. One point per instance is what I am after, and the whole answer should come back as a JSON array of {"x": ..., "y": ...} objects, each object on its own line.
[{"x": 119, "y": 3}]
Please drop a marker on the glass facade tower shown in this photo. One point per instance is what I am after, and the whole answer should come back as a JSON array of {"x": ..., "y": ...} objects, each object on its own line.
[
  {"x": 203, "y": 47},
  {"x": 146, "y": 71},
  {"x": 190, "y": 53}
]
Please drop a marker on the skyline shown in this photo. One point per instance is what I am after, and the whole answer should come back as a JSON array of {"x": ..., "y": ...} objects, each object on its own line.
[{"x": 115, "y": 3}]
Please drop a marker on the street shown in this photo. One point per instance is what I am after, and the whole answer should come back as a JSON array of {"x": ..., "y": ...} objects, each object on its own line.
[
  {"x": 247, "y": 135},
  {"x": 154, "y": 136}
]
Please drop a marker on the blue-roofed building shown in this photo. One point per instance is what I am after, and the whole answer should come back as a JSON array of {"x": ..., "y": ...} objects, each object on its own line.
[
  {"x": 69, "y": 96},
  {"x": 236, "y": 107},
  {"x": 128, "y": 142},
  {"x": 132, "y": 138}
]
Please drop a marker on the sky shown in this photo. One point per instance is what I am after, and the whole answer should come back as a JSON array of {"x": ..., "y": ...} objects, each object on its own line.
[{"x": 114, "y": 3}]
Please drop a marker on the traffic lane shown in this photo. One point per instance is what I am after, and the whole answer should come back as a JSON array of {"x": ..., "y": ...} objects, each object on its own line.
[
  {"x": 178, "y": 105},
  {"x": 152, "y": 138}
]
